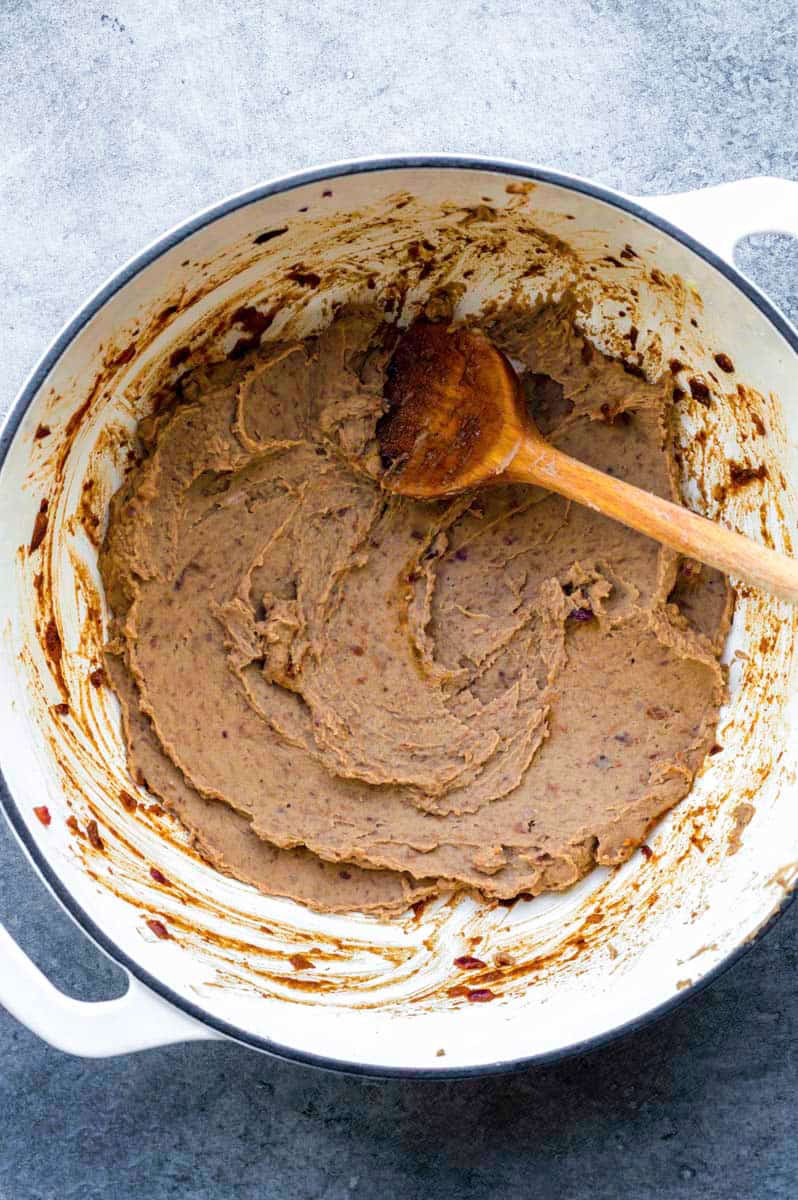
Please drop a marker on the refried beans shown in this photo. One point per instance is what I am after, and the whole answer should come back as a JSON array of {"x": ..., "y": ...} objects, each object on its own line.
[{"x": 359, "y": 700}]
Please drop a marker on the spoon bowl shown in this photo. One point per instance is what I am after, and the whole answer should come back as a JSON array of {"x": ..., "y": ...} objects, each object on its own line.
[{"x": 456, "y": 416}]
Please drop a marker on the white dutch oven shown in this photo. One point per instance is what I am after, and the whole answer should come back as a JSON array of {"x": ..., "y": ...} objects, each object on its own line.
[{"x": 385, "y": 997}]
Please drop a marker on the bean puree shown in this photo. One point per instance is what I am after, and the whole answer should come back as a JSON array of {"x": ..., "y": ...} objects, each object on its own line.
[{"x": 359, "y": 700}]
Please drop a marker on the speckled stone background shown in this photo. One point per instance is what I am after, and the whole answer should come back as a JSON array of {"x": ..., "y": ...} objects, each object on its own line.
[{"x": 119, "y": 119}]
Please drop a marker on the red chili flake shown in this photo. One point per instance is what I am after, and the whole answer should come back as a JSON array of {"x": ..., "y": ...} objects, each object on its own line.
[
  {"x": 418, "y": 908},
  {"x": 39, "y": 527},
  {"x": 159, "y": 877},
  {"x": 97, "y": 677},
  {"x": 93, "y": 834},
  {"x": 480, "y": 995},
  {"x": 72, "y": 823},
  {"x": 42, "y": 431},
  {"x": 646, "y": 851},
  {"x": 158, "y": 928},
  {"x": 43, "y": 813},
  {"x": 699, "y": 391},
  {"x": 358, "y": 651},
  {"x": 715, "y": 748},
  {"x": 127, "y": 802},
  {"x": 581, "y": 614},
  {"x": 300, "y": 962},
  {"x": 62, "y": 709},
  {"x": 725, "y": 363},
  {"x": 655, "y": 713},
  {"x": 466, "y": 962},
  {"x": 329, "y": 193}
]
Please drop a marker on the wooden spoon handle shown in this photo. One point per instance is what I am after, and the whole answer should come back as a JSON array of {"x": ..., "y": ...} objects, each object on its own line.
[{"x": 671, "y": 524}]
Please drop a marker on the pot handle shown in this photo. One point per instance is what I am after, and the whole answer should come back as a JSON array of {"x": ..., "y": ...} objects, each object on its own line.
[
  {"x": 138, "y": 1020},
  {"x": 720, "y": 216}
]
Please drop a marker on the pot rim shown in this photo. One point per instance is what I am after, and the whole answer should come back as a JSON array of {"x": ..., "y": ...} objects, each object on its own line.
[{"x": 31, "y": 387}]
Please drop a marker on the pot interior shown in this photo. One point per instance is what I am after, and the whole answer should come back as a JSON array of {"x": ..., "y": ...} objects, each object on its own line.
[{"x": 584, "y": 962}]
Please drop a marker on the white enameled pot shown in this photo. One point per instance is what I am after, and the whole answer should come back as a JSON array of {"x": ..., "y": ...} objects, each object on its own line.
[{"x": 385, "y": 997}]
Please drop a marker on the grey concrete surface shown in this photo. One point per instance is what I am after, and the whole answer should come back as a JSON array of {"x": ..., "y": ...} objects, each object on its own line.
[{"x": 118, "y": 119}]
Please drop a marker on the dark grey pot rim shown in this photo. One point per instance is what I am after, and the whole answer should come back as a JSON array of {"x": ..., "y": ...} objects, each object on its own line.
[{"x": 20, "y": 406}]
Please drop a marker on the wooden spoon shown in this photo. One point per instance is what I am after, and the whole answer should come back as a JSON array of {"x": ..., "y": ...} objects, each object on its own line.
[{"x": 457, "y": 420}]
